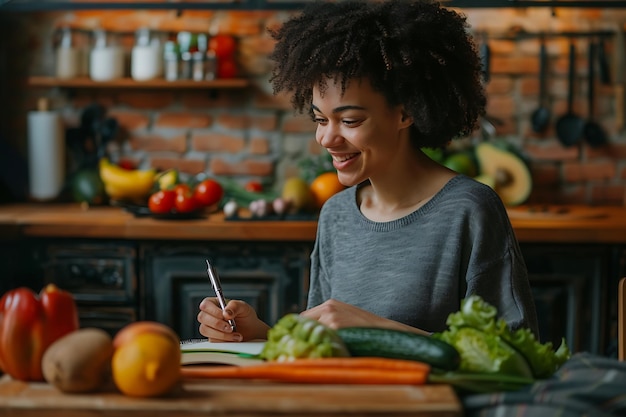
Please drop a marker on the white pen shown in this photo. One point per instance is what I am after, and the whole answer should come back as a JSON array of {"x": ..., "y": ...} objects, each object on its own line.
[{"x": 217, "y": 287}]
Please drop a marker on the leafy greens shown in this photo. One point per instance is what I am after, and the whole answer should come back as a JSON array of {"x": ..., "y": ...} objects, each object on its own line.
[{"x": 486, "y": 344}]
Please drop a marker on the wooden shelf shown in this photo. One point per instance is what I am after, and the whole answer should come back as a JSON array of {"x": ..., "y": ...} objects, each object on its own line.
[{"x": 85, "y": 82}]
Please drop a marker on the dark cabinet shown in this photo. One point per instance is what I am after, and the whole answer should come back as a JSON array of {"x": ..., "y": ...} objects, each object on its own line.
[
  {"x": 272, "y": 278},
  {"x": 572, "y": 286},
  {"x": 101, "y": 275}
]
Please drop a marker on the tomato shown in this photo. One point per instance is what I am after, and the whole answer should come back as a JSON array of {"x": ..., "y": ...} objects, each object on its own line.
[
  {"x": 224, "y": 46},
  {"x": 162, "y": 201},
  {"x": 208, "y": 192},
  {"x": 186, "y": 202},
  {"x": 182, "y": 188},
  {"x": 254, "y": 186},
  {"x": 226, "y": 68}
]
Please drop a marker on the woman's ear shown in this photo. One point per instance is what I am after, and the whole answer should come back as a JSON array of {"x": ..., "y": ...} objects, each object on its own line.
[{"x": 405, "y": 120}]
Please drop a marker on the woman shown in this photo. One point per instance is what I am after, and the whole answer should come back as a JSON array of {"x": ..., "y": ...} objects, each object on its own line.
[{"x": 409, "y": 238}]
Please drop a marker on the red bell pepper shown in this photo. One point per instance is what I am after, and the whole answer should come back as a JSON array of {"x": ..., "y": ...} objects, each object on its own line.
[{"x": 29, "y": 323}]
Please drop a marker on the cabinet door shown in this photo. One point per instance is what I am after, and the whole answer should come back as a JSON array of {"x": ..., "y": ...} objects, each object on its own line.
[
  {"x": 569, "y": 283},
  {"x": 271, "y": 277}
]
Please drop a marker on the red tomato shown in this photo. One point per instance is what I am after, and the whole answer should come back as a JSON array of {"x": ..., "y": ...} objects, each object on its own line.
[
  {"x": 162, "y": 201},
  {"x": 254, "y": 186},
  {"x": 186, "y": 202},
  {"x": 224, "y": 46},
  {"x": 208, "y": 192},
  {"x": 226, "y": 68},
  {"x": 182, "y": 188}
]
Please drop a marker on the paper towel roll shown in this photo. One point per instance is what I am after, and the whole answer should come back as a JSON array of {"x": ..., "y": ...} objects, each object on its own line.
[{"x": 46, "y": 153}]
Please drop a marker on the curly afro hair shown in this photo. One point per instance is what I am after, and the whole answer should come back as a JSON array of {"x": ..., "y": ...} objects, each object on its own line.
[{"x": 416, "y": 53}]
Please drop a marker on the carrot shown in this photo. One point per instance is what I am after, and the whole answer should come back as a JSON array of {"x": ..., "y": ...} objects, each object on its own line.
[{"x": 363, "y": 370}]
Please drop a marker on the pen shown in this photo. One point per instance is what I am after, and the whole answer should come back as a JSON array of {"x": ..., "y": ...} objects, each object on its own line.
[{"x": 217, "y": 287}]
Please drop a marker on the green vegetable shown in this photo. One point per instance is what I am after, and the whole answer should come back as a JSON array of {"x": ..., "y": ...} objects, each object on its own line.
[
  {"x": 295, "y": 336},
  {"x": 486, "y": 344},
  {"x": 233, "y": 191},
  {"x": 386, "y": 343}
]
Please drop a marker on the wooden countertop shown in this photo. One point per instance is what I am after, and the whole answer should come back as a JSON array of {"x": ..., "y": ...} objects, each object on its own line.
[
  {"x": 235, "y": 399},
  {"x": 550, "y": 224}
]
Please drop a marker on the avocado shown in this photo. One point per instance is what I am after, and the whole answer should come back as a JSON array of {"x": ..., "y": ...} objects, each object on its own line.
[
  {"x": 513, "y": 181},
  {"x": 87, "y": 186}
]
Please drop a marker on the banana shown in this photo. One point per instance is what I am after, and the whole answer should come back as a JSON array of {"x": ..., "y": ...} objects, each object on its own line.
[{"x": 122, "y": 184}]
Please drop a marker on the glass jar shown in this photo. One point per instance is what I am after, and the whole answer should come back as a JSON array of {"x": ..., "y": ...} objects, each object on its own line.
[
  {"x": 106, "y": 58},
  {"x": 146, "y": 56}
]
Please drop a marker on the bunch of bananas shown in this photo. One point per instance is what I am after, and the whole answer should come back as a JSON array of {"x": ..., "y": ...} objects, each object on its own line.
[{"x": 123, "y": 184}]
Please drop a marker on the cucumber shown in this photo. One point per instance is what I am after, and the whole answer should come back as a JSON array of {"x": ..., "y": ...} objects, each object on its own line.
[{"x": 386, "y": 343}]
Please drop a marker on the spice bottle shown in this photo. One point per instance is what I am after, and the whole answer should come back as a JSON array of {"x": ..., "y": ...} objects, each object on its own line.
[{"x": 171, "y": 60}]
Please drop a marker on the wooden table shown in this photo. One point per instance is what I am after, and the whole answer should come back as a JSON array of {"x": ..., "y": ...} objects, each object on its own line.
[{"x": 235, "y": 399}]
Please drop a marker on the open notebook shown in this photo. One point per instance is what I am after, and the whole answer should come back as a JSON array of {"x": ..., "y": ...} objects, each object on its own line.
[{"x": 201, "y": 351}]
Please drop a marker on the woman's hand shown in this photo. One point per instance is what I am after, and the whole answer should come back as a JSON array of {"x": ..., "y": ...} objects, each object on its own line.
[
  {"x": 214, "y": 323},
  {"x": 336, "y": 315}
]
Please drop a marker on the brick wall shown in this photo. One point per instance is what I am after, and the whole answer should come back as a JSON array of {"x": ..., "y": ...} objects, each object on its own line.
[{"x": 249, "y": 133}]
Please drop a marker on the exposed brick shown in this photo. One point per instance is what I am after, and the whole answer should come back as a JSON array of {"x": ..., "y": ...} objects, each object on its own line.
[
  {"x": 552, "y": 152},
  {"x": 146, "y": 99},
  {"x": 240, "y": 23},
  {"x": 615, "y": 151},
  {"x": 182, "y": 120},
  {"x": 222, "y": 99},
  {"x": 248, "y": 167},
  {"x": 500, "y": 106},
  {"x": 216, "y": 142},
  {"x": 513, "y": 65},
  {"x": 85, "y": 98},
  {"x": 189, "y": 166},
  {"x": 590, "y": 175},
  {"x": 499, "y": 85},
  {"x": 152, "y": 143},
  {"x": 298, "y": 124},
  {"x": 264, "y": 122},
  {"x": 233, "y": 121},
  {"x": 281, "y": 101},
  {"x": 576, "y": 171},
  {"x": 130, "y": 120},
  {"x": 259, "y": 146}
]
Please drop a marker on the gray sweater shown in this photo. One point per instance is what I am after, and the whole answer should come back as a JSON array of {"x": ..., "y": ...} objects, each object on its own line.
[{"x": 416, "y": 269}]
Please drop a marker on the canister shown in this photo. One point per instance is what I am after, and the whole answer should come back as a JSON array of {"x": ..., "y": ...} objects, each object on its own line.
[{"x": 106, "y": 59}]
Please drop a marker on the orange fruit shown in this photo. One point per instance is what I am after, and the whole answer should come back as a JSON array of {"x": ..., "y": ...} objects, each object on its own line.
[
  {"x": 148, "y": 365},
  {"x": 325, "y": 186}
]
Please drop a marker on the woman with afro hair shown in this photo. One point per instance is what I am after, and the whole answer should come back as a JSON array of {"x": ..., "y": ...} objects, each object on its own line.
[{"x": 409, "y": 238}]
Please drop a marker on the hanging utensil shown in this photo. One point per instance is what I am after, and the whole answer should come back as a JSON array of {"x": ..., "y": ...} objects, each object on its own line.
[
  {"x": 618, "y": 70},
  {"x": 593, "y": 132},
  {"x": 605, "y": 71},
  {"x": 569, "y": 127},
  {"x": 540, "y": 118}
]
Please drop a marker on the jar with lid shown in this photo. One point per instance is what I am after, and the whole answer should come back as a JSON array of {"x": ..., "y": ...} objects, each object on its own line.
[
  {"x": 106, "y": 59},
  {"x": 146, "y": 56},
  {"x": 68, "y": 56}
]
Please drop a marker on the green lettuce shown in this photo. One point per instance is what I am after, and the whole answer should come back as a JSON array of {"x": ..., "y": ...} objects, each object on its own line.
[{"x": 486, "y": 344}]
